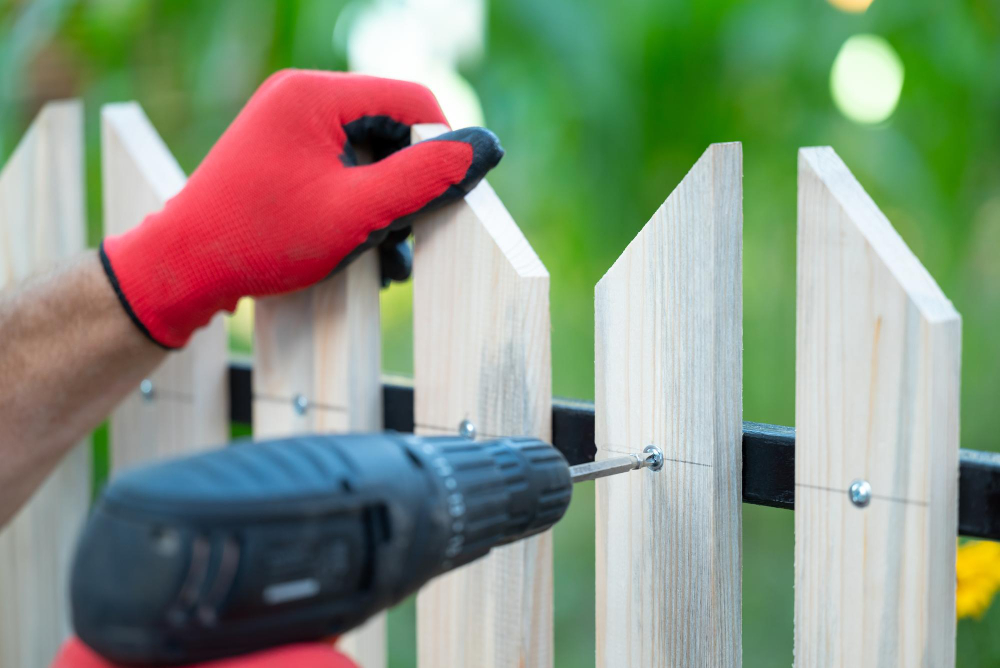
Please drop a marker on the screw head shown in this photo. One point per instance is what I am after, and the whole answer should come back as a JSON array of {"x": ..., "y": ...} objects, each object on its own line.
[
  {"x": 466, "y": 429},
  {"x": 860, "y": 493},
  {"x": 656, "y": 457},
  {"x": 146, "y": 389},
  {"x": 300, "y": 404}
]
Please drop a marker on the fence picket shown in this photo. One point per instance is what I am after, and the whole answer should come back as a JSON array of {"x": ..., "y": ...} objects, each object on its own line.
[
  {"x": 188, "y": 408},
  {"x": 669, "y": 373},
  {"x": 877, "y": 391},
  {"x": 42, "y": 220},
  {"x": 482, "y": 353},
  {"x": 317, "y": 368}
]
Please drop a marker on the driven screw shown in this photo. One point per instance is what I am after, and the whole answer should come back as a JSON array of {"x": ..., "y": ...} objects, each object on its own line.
[
  {"x": 300, "y": 404},
  {"x": 466, "y": 429},
  {"x": 655, "y": 457},
  {"x": 860, "y": 493}
]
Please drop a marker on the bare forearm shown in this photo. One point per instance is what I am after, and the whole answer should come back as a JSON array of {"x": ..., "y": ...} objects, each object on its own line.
[{"x": 68, "y": 354}]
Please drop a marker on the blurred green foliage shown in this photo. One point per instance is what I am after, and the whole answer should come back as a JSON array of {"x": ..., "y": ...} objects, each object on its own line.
[{"x": 603, "y": 107}]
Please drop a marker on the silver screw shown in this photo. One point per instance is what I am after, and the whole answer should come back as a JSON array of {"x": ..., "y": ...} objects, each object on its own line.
[
  {"x": 300, "y": 404},
  {"x": 860, "y": 492},
  {"x": 655, "y": 457},
  {"x": 466, "y": 429},
  {"x": 146, "y": 389}
]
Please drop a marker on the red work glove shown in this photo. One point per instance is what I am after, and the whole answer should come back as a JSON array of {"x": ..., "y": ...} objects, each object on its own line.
[
  {"x": 279, "y": 202},
  {"x": 74, "y": 654}
]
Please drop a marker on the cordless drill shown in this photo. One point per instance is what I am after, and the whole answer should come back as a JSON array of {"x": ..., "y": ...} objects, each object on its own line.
[{"x": 267, "y": 543}]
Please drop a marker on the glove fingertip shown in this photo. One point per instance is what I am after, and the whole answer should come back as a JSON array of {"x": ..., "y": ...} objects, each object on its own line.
[{"x": 486, "y": 153}]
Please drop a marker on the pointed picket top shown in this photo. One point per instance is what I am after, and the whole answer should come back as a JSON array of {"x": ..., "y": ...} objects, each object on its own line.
[
  {"x": 41, "y": 194},
  {"x": 482, "y": 353},
  {"x": 669, "y": 373},
  {"x": 878, "y": 349},
  {"x": 186, "y": 407}
]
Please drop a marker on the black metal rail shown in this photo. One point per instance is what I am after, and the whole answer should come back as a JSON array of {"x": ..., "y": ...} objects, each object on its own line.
[{"x": 768, "y": 453}]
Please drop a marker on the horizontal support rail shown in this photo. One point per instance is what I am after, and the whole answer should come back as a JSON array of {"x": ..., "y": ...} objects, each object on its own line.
[{"x": 768, "y": 452}]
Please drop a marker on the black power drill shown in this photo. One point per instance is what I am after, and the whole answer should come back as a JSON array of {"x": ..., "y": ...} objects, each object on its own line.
[{"x": 262, "y": 544}]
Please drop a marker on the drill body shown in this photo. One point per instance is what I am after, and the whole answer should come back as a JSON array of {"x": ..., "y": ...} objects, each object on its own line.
[{"x": 262, "y": 544}]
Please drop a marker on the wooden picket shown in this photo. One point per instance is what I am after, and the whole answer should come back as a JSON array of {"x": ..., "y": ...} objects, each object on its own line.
[
  {"x": 317, "y": 361},
  {"x": 182, "y": 406},
  {"x": 482, "y": 354},
  {"x": 669, "y": 359},
  {"x": 42, "y": 221},
  {"x": 877, "y": 379}
]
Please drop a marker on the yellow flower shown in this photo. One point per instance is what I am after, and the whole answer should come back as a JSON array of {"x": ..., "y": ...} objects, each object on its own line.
[{"x": 978, "y": 568}]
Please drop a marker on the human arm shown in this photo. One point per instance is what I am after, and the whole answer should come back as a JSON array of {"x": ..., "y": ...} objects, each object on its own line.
[{"x": 69, "y": 353}]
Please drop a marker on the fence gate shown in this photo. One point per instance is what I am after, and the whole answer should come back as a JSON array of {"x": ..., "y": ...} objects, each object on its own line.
[{"x": 877, "y": 402}]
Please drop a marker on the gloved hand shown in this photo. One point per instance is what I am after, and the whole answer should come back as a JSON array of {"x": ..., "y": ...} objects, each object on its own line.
[
  {"x": 280, "y": 202},
  {"x": 74, "y": 654}
]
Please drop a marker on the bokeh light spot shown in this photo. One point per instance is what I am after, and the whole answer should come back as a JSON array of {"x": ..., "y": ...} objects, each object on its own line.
[
  {"x": 866, "y": 79},
  {"x": 852, "y": 6},
  {"x": 412, "y": 41}
]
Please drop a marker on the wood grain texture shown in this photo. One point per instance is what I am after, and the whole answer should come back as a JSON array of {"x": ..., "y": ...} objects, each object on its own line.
[
  {"x": 42, "y": 220},
  {"x": 877, "y": 393},
  {"x": 482, "y": 352},
  {"x": 189, "y": 408},
  {"x": 324, "y": 344},
  {"x": 669, "y": 372}
]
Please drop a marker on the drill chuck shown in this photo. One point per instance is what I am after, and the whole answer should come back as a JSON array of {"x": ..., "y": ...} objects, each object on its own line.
[{"x": 261, "y": 544}]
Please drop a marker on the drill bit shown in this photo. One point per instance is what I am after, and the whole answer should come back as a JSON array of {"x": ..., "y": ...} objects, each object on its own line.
[{"x": 651, "y": 458}]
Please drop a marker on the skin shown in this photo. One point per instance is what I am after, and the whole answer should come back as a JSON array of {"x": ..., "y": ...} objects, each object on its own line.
[{"x": 69, "y": 355}]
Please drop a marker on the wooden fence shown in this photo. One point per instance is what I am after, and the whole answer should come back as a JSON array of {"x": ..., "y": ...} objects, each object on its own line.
[{"x": 877, "y": 378}]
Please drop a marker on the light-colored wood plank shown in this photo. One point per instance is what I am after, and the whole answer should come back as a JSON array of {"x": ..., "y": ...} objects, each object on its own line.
[
  {"x": 482, "y": 352},
  {"x": 323, "y": 345},
  {"x": 189, "y": 406},
  {"x": 669, "y": 348},
  {"x": 42, "y": 220},
  {"x": 877, "y": 393}
]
